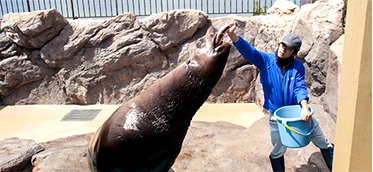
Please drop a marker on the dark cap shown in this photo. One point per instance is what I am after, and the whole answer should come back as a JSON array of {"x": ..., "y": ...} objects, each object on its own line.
[{"x": 292, "y": 41}]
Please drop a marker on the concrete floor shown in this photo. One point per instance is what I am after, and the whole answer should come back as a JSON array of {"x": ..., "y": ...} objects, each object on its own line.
[{"x": 43, "y": 122}]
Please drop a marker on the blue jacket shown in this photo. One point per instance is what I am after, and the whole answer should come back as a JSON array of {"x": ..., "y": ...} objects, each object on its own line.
[{"x": 289, "y": 89}]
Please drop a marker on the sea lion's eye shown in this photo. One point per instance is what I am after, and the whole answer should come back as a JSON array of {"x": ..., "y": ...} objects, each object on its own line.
[
  {"x": 201, "y": 42},
  {"x": 212, "y": 34}
]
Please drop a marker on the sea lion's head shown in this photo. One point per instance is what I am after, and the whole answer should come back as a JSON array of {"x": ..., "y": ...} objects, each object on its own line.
[{"x": 211, "y": 54}]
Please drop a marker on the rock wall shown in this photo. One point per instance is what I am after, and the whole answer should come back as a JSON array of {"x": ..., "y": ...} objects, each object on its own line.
[{"x": 46, "y": 59}]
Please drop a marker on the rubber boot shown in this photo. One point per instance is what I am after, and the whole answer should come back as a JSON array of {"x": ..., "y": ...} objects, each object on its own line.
[
  {"x": 278, "y": 164},
  {"x": 327, "y": 154}
]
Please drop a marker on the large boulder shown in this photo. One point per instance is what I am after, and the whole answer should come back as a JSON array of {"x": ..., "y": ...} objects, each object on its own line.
[
  {"x": 33, "y": 29},
  {"x": 65, "y": 154},
  {"x": 330, "y": 98},
  {"x": 16, "y": 153}
]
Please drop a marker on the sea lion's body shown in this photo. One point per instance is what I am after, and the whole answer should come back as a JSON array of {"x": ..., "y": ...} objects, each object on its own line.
[{"x": 146, "y": 133}]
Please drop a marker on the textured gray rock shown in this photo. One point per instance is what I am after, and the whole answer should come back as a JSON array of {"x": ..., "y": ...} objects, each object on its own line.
[
  {"x": 19, "y": 71},
  {"x": 16, "y": 153},
  {"x": 66, "y": 154},
  {"x": 111, "y": 61},
  {"x": 330, "y": 98},
  {"x": 7, "y": 47},
  {"x": 33, "y": 29}
]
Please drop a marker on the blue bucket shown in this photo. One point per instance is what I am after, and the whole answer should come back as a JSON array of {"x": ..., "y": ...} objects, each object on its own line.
[{"x": 294, "y": 132}]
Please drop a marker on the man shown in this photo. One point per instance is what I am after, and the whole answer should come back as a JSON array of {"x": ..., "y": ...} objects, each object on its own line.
[{"x": 282, "y": 78}]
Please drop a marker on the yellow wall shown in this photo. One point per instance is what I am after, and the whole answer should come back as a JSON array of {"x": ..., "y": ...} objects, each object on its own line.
[{"x": 353, "y": 140}]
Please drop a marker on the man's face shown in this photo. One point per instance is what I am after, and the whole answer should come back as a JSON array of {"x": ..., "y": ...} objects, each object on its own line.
[{"x": 284, "y": 52}]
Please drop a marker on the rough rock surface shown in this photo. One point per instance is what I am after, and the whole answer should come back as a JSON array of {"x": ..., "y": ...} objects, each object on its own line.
[
  {"x": 111, "y": 61},
  {"x": 16, "y": 153},
  {"x": 66, "y": 154},
  {"x": 330, "y": 98},
  {"x": 218, "y": 147},
  {"x": 34, "y": 29}
]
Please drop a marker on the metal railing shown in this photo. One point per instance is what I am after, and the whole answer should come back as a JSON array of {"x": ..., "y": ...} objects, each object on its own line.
[{"x": 74, "y": 9}]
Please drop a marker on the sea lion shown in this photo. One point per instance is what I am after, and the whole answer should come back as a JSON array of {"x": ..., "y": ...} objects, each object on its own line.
[{"x": 146, "y": 133}]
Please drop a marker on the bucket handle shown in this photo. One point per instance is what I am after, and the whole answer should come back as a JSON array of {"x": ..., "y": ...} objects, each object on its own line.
[{"x": 296, "y": 132}]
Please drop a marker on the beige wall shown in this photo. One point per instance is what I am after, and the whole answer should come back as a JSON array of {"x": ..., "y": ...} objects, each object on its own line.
[{"x": 353, "y": 140}]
